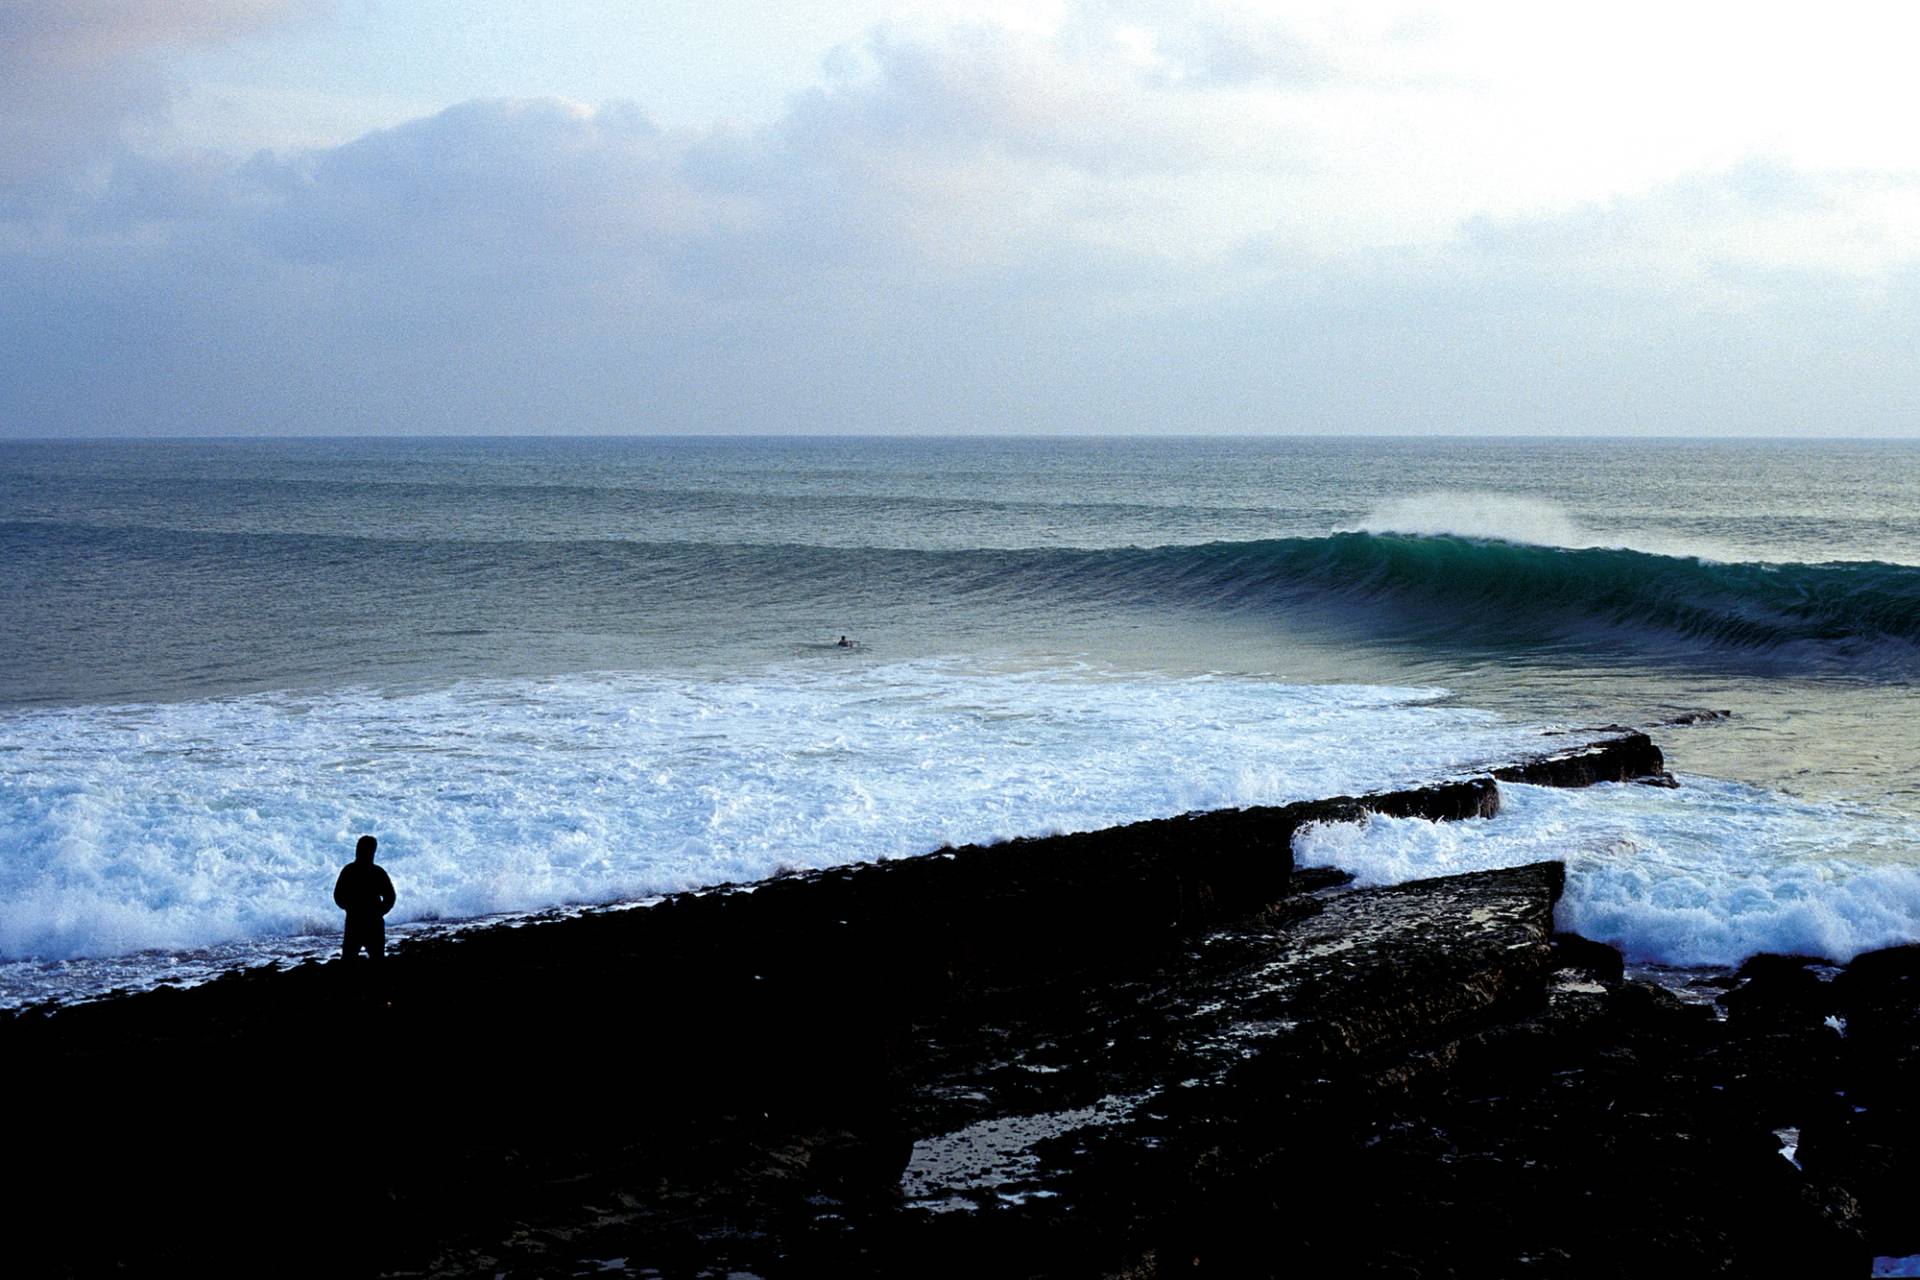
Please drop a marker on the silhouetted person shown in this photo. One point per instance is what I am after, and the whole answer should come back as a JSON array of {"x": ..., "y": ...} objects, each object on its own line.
[
  {"x": 366, "y": 895},
  {"x": 844, "y": 643}
]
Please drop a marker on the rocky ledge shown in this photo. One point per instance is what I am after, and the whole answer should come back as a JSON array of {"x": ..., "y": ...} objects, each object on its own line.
[{"x": 1145, "y": 1051}]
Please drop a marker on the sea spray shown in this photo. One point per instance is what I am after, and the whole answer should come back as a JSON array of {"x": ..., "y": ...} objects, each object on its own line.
[
  {"x": 193, "y": 824},
  {"x": 1505, "y": 517},
  {"x": 224, "y": 659},
  {"x": 1705, "y": 874}
]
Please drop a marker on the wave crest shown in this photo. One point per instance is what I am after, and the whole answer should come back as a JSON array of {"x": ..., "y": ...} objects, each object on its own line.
[
  {"x": 1510, "y": 594},
  {"x": 1487, "y": 516}
]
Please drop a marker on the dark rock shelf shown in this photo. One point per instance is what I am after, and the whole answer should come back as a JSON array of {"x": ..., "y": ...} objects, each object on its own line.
[{"x": 1150, "y": 1050}]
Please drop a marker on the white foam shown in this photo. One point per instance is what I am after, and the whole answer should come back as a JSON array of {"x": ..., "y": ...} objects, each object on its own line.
[
  {"x": 1704, "y": 875},
  {"x": 198, "y": 824},
  {"x": 1477, "y": 515},
  {"x": 1507, "y": 518}
]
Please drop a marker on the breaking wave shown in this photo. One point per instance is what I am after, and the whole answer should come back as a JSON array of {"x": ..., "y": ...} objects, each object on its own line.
[
  {"x": 1708, "y": 874},
  {"x": 1859, "y": 618},
  {"x": 1506, "y": 594},
  {"x": 172, "y": 828}
]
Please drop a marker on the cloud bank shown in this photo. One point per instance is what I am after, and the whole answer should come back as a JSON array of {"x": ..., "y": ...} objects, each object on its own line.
[
  {"x": 1140, "y": 217},
  {"x": 78, "y": 77}
]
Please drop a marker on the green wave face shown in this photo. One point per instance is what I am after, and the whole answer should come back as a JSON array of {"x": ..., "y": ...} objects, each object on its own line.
[
  {"x": 137, "y": 611},
  {"x": 1515, "y": 594}
]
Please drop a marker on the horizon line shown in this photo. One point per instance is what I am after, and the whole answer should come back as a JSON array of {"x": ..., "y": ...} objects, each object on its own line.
[{"x": 233, "y": 438}]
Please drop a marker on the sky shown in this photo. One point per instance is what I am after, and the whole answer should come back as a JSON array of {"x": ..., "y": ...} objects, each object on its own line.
[{"x": 388, "y": 217}]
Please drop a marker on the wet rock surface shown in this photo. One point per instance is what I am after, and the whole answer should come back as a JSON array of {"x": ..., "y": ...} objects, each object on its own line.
[
  {"x": 1627, "y": 757},
  {"x": 1146, "y": 1051}
]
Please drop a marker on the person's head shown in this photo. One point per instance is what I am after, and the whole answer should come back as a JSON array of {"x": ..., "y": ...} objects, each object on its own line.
[{"x": 363, "y": 852}]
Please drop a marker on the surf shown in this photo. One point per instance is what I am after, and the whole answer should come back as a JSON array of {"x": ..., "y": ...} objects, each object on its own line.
[
  {"x": 1506, "y": 595},
  {"x": 173, "y": 828}
]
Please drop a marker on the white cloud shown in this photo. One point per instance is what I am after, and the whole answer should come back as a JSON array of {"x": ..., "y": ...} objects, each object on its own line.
[
  {"x": 1723, "y": 238},
  {"x": 76, "y": 75},
  {"x": 1131, "y": 216}
]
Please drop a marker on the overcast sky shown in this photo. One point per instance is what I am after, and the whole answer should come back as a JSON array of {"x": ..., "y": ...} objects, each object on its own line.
[{"x": 671, "y": 216}]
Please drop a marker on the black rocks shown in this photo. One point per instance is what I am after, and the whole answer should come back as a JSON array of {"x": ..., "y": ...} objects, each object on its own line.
[
  {"x": 1139, "y": 1051},
  {"x": 1867, "y": 1139},
  {"x": 737, "y": 1051},
  {"x": 1779, "y": 990},
  {"x": 1629, "y": 757},
  {"x": 1595, "y": 959},
  {"x": 1706, "y": 715}
]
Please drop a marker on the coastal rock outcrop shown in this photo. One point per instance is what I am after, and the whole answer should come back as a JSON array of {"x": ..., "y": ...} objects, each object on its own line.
[
  {"x": 1626, "y": 757},
  {"x": 1141, "y": 1051}
]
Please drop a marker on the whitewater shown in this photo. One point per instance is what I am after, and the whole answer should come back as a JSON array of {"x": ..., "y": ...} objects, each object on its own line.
[
  {"x": 568, "y": 675},
  {"x": 183, "y": 826}
]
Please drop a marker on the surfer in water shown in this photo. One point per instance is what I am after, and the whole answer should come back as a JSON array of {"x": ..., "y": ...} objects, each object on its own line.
[
  {"x": 844, "y": 643},
  {"x": 365, "y": 893}
]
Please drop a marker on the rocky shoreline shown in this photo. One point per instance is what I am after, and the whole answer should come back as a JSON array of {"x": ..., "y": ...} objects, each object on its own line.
[{"x": 1152, "y": 1050}]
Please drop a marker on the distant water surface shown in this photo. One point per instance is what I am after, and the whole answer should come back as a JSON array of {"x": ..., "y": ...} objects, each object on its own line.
[{"x": 565, "y": 671}]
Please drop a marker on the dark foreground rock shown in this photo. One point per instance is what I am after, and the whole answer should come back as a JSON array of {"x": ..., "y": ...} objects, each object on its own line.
[
  {"x": 1627, "y": 757},
  {"x": 1141, "y": 1051},
  {"x": 694, "y": 1045}
]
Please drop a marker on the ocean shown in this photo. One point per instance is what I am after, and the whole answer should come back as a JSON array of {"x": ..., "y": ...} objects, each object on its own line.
[{"x": 554, "y": 674}]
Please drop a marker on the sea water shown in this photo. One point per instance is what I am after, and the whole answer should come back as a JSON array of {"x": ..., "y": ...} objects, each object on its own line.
[{"x": 551, "y": 673}]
